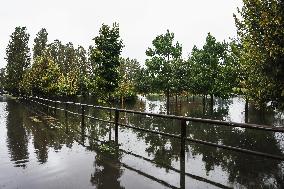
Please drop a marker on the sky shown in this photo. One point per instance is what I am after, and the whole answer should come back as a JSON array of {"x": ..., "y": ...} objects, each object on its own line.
[{"x": 140, "y": 21}]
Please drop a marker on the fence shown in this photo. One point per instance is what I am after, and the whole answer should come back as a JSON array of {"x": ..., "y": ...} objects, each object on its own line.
[{"x": 183, "y": 128}]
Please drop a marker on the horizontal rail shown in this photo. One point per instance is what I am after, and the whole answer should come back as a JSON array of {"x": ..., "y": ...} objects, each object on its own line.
[
  {"x": 149, "y": 176},
  {"x": 179, "y": 137},
  {"x": 176, "y": 170},
  {"x": 192, "y": 119},
  {"x": 199, "y": 178}
]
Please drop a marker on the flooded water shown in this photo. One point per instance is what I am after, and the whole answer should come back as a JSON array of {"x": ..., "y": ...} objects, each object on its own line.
[{"x": 41, "y": 148}]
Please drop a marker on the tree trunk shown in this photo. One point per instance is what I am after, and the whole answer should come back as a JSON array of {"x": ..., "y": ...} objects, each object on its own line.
[
  {"x": 211, "y": 103},
  {"x": 211, "y": 100},
  {"x": 246, "y": 111},
  {"x": 203, "y": 103},
  {"x": 168, "y": 100},
  {"x": 176, "y": 99},
  {"x": 187, "y": 97}
]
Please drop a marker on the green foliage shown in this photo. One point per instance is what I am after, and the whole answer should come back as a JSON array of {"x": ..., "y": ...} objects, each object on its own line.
[
  {"x": 143, "y": 84},
  {"x": 18, "y": 59},
  {"x": 2, "y": 78},
  {"x": 261, "y": 35},
  {"x": 128, "y": 72},
  {"x": 40, "y": 43},
  {"x": 162, "y": 59},
  {"x": 83, "y": 69},
  {"x": 105, "y": 58},
  {"x": 41, "y": 79},
  {"x": 68, "y": 84},
  {"x": 212, "y": 69}
]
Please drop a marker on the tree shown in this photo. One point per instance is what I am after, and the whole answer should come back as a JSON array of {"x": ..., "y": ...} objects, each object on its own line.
[
  {"x": 18, "y": 59},
  {"x": 84, "y": 70},
  {"x": 261, "y": 33},
  {"x": 2, "y": 78},
  {"x": 143, "y": 82},
  {"x": 128, "y": 72},
  {"x": 162, "y": 57},
  {"x": 105, "y": 55},
  {"x": 40, "y": 43},
  {"x": 212, "y": 69},
  {"x": 42, "y": 78}
]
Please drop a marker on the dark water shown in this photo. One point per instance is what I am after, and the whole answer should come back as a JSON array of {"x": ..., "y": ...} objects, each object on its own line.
[{"x": 44, "y": 149}]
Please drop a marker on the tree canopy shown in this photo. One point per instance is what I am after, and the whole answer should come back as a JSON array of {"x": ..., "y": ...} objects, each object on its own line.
[
  {"x": 18, "y": 59},
  {"x": 261, "y": 36}
]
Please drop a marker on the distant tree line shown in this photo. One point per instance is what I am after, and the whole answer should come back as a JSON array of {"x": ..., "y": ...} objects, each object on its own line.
[
  {"x": 58, "y": 69},
  {"x": 251, "y": 65}
]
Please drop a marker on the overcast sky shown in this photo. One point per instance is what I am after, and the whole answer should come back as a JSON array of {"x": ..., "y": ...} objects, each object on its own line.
[{"x": 140, "y": 21}]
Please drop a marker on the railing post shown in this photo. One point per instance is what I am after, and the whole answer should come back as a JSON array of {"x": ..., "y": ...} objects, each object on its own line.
[
  {"x": 116, "y": 125},
  {"x": 182, "y": 152}
]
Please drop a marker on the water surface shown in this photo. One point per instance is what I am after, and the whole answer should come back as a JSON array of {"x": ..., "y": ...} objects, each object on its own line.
[{"x": 40, "y": 148}]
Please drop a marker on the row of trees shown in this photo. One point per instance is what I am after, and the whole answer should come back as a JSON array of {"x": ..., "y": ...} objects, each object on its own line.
[
  {"x": 58, "y": 69},
  {"x": 251, "y": 65},
  {"x": 211, "y": 70}
]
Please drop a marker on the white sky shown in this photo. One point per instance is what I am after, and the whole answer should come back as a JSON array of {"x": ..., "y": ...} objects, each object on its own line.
[{"x": 140, "y": 21}]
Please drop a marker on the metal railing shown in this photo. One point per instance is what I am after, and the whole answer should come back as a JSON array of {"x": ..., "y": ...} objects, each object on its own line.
[{"x": 183, "y": 127}]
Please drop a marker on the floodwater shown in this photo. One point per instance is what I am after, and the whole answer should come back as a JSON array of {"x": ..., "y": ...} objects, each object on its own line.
[{"x": 41, "y": 148}]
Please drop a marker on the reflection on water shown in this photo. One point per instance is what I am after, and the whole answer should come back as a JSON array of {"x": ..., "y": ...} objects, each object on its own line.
[
  {"x": 17, "y": 138},
  {"x": 68, "y": 153}
]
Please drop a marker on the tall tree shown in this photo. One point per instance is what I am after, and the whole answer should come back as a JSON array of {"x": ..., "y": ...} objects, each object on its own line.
[
  {"x": 84, "y": 70},
  {"x": 2, "y": 78},
  {"x": 18, "y": 59},
  {"x": 105, "y": 55},
  {"x": 128, "y": 72},
  {"x": 40, "y": 43},
  {"x": 261, "y": 33},
  {"x": 162, "y": 57},
  {"x": 42, "y": 78},
  {"x": 211, "y": 69}
]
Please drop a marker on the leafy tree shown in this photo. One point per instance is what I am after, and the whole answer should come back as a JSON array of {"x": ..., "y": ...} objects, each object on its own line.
[
  {"x": 181, "y": 75},
  {"x": 128, "y": 72},
  {"x": 105, "y": 55},
  {"x": 42, "y": 78},
  {"x": 261, "y": 33},
  {"x": 143, "y": 81},
  {"x": 18, "y": 59},
  {"x": 40, "y": 43},
  {"x": 74, "y": 68},
  {"x": 162, "y": 58},
  {"x": 212, "y": 69},
  {"x": 68, "y": 84},
  {"x": 84, "y": 70},
  {"x": 57, "y": 52},
  {"x": 2, "y": 78}
]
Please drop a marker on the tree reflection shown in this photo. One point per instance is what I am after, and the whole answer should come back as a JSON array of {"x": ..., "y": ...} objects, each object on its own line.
[
  {"x": 17, "y": 139},
  {"x": 46, "y": 133},
  {"x": 107, "y": 167},
  {"x": 247, "y": 170}
]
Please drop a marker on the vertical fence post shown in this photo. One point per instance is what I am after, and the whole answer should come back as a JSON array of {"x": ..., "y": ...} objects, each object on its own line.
[
  {"x": 116, "y": 125},
  {"x": 182, "y": 153}
]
